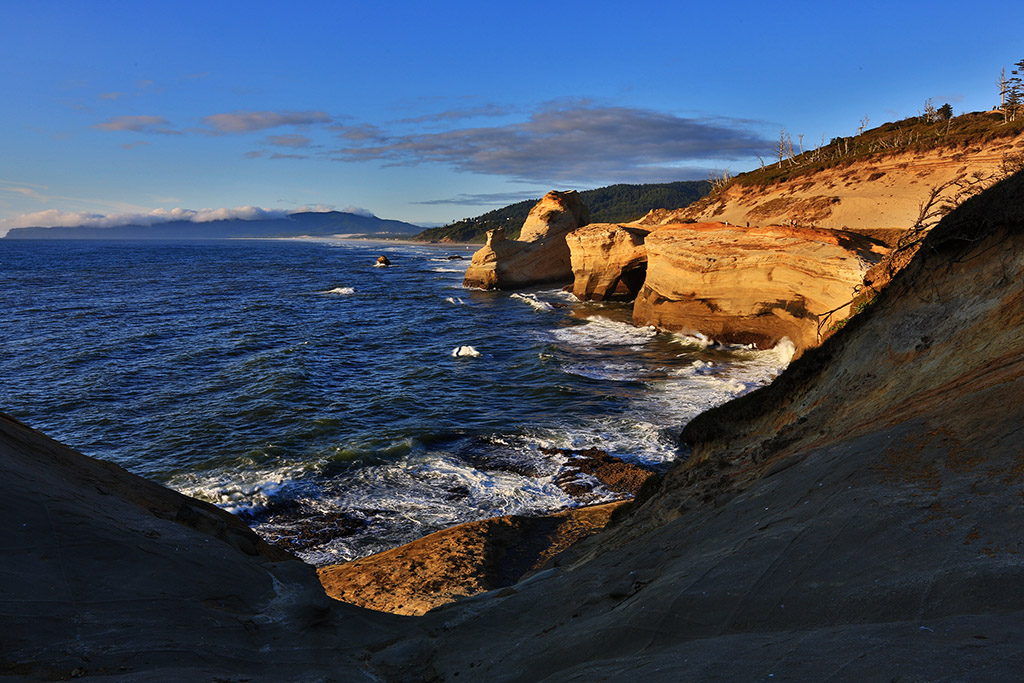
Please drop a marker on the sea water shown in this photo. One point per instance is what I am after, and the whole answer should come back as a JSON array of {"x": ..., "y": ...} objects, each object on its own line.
[{"x": 339, "y": 407}]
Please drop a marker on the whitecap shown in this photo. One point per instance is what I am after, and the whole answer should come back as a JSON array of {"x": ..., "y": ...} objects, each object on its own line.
[
  {"x": 455, "y": 301},
  {"x": 532, "y": 300},
  {"x": 465, "y": 352},
  {"x": 600, "y": 332},
  {"x": 340, "y": 290}
]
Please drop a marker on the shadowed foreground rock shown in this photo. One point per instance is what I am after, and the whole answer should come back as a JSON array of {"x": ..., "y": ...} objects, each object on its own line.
[{"x": 106, "y": 573}]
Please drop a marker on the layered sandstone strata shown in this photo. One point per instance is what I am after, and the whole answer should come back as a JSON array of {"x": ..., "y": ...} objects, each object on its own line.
[
  {"x": 751, "y": 286},
  {"x": 608, "y": 261},
  {"x": 885, "y": 190},
  {"x": 539, "y": 256}
]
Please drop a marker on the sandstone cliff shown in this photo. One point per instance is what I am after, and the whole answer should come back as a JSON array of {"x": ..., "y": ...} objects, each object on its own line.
[
  {"x": 858, "y": 518},
  {"x": 753, "y": 285},
  {"x": 539, "y": 256},
  {"x": 884, "y": 191},
  {"x": 608, "y": 261}
]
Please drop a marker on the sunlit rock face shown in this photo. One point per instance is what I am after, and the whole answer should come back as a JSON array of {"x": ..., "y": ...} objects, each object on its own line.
[
  {"x": 751, "y": 285},
  {"x": 609, "y": 261},
  {"x": 539, "y": 256}
]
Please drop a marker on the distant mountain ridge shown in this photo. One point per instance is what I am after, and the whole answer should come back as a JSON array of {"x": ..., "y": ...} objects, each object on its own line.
[{"x": 294, "y": 225}]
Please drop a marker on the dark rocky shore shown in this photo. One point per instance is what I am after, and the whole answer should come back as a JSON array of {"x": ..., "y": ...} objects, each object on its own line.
[{"x": 858, "y": 519}]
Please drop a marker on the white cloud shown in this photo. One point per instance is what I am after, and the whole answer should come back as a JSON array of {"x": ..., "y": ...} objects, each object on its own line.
[
  {"x": 359, "y": 211},
  {"x": 55, "y": 218}
]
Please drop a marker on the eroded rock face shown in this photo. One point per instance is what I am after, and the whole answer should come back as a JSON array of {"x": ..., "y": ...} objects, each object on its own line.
[
  {"x": 107, "y": 573},
  {"x": 751, "y": 286},
  {"x": 608, "y": 261},
  {"x": 539, "y": 256},
  {"x": 860, "y": 514},
  {"x": 460, "y": 562}
]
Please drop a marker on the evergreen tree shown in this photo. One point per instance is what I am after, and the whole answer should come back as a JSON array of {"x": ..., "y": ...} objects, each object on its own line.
[{"x": 1015, "y": 91}]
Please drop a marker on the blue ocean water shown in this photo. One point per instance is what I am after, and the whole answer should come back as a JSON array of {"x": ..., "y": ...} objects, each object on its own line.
[{"x": 317, "y": 395}]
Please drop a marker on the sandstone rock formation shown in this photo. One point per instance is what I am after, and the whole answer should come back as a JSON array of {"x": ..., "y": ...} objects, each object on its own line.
[
  {"x": 460, "y": 562},
  {"x": 883, "y": 191},
  {"x": 608, "y": 261},
  {"x": 857, "y": 518},
  {"x": 539, "y": 256},
  {"x": 753, "y": 285}
]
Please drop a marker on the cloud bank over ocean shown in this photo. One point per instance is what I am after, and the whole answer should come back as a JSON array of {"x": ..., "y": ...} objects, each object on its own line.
[{"x": 55, "y": 218}]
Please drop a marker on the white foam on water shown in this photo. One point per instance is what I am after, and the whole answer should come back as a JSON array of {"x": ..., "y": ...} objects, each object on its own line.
[
  {"x": 339, "y": 290},
  {"x": 465, "y": 352},
  {"x": 415, "y": 495},
  {"x": 242, "y": 488},
  {"x": 559, "y": 294},
  {"x": 440, "y": 269},
  {"x": 647, "y": 431},
  {"x": 455, "y": 301},
  {"x": 600, "y": 332},
  {"x": 617, "y": 371},
  {"x": 533, "y": 301}
]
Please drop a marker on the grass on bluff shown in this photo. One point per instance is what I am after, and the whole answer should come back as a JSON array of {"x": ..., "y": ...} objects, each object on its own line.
[{"x": 967, "y": 133}]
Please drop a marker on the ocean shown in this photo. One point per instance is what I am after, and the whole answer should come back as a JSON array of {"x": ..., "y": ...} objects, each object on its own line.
[{"x": 323, "y": 399}]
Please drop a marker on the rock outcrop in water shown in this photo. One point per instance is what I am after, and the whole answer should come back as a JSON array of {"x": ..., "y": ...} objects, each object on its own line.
[
  {"x": 751, "y": 285},
  {"x": 539, "y": 256},
  {"x": 858, "y": 518},
  {"x": 609, "y": 261}
]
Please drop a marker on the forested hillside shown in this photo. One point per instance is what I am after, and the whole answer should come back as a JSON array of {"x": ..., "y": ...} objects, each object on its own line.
[{"x": 611, "y": 204}]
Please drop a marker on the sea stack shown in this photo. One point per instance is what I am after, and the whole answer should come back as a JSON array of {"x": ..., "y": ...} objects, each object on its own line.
[{"x": 539, "y": 256}]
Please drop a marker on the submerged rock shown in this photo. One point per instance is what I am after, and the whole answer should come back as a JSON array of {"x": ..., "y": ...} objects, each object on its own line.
[
  {"x": 383, "y": 261},
  {"x": 539, "y": 256},
  {"x": 589, "y": 468}
]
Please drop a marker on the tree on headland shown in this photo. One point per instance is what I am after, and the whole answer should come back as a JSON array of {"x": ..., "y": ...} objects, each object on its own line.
[
  {"x": 945, "y": 112},
  {"x": 1011, "y": 91},
  {"x": 1002, "y": 85},
  {"x": 930, "y": 115}
]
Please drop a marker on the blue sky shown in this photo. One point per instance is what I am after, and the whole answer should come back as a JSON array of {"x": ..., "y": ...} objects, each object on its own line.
[{"x": 429, "y": 112}]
